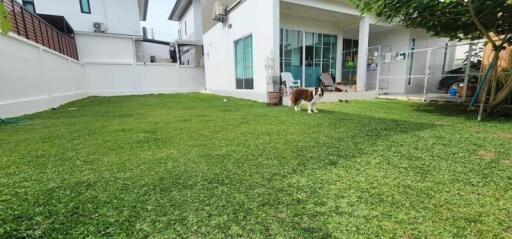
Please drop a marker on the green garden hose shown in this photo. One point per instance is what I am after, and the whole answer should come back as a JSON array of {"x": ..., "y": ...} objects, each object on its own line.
[{"x": 12, "y": 121}]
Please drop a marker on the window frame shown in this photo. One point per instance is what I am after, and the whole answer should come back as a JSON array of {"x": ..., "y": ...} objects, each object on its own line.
[
  {"x": 23, "y": 2},
  {"x": 244, "y": 88},
  {"x": 82, "y": 7}
]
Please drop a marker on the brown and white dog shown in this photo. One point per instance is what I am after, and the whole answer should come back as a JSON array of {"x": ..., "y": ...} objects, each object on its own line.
[{"x": 310, "y": 96}]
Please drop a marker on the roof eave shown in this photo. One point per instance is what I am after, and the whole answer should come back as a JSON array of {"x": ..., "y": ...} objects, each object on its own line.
[
  {"x": 179, "y": 9},
  {"x": 143, "y": 7}
]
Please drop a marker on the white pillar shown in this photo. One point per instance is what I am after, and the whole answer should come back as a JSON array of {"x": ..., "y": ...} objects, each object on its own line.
[
  {"x": 364, "y": 34},
  {"x": 276, "y": 34},
  {"x": 339, "y": 56}
]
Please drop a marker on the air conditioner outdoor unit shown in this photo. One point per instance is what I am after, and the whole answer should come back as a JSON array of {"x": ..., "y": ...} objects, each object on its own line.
[
  {"x": 220, "y": 11},
  {"x": 99, "y": 27}
]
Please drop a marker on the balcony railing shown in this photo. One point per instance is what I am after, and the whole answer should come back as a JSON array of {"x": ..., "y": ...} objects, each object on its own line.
[{"x": 32, "y": 27}]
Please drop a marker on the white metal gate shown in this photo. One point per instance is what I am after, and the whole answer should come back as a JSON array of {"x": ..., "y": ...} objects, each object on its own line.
[{"x": 425, "y": 74}]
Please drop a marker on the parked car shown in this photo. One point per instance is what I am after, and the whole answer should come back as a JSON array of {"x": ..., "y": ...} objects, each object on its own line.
[{"x": 456, "y": 76}]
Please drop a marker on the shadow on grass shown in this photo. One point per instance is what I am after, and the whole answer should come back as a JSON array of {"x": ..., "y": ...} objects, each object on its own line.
[
  {"x": 445, "y": 109},
  {"x": 450, "y": 109}
]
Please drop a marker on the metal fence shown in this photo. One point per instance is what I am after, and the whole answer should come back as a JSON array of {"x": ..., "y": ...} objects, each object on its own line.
[
  {"x": 447, "y": 73},
  {"x": 32, "y": 27}
]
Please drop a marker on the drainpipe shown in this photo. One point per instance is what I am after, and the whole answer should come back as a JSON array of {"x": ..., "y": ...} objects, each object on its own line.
[
  {"x": 134, "y": 52},
  {"x": 178, "y": 54}
]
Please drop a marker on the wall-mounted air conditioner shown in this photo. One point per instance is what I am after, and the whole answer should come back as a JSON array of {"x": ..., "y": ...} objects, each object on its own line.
[
  {"x": 99, "y": 27},
  {"x": 220, "y": 11}
]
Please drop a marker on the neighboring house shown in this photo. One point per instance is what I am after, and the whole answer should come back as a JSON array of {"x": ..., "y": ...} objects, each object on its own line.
[
  {"x": 151, "y": 50},
  {"x": 189, "y": 45},
  {"x": 154, "y": 51},
  {"x": 306, "y": 38},
  {"x": 105, "y": 30}
]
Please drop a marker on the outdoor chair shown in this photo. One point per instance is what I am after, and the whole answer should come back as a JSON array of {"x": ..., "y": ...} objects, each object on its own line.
[
  {"x": 291, "y": 84},
  {"x": 327, "y": 82}
]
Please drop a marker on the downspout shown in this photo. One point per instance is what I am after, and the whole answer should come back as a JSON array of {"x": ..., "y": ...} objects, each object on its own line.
[
  {"x": 445, "y": 56},
  {"x": 411, "y": 65}
]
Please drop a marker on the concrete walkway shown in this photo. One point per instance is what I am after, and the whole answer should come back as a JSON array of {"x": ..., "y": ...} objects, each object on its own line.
[{"x": 336, "y": 96}]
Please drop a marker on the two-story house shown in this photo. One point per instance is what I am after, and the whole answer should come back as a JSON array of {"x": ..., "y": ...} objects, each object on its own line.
[
  {"x": 190, "y": 34},
  {"x": 105, "y": 30},
  {"x": 308, "y": 38}
]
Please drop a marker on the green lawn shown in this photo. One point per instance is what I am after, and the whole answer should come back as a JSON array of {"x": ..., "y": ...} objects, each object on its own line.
[{"x": 194, "y": 166}]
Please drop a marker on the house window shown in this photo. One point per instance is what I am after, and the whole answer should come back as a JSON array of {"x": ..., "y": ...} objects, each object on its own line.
[
  {"x": 85, "y": 6},
  {"x": 243, "y": 64},
  {"x": 29, "y": 5},
  {"x": 185, "y": 23}
]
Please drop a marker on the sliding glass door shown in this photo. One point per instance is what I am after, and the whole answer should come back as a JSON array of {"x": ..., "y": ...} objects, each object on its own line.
[
  {"x": 321, "y": 52},
  {"x": 349, "y": 63},
  {"x": 292, "y": 52},
  {"x": 313, "y": 59},
  {"x": 307, "y": 55}
]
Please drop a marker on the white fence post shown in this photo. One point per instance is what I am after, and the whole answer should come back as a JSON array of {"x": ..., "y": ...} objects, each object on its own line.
[
  {"x": 427, "y": 73},
  {"x": 378, "y": 70}
]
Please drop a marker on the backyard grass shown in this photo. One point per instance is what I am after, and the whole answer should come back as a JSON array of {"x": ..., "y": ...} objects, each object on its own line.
[{"x": 193, "y": 166}]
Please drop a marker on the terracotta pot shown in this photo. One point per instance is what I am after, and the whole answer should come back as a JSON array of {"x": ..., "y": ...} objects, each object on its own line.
[{"x": 274, "y": 98}]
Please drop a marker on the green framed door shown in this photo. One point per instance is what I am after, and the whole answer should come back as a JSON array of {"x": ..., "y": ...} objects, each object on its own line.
[
  {"x": 291, "y": 53},
  {"x": 320, "y": 57}
]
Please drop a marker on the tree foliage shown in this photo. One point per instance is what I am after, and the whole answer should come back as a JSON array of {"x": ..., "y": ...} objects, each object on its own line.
[
  {"x": 444, "y": 18},
  {"x": 5, "y": 25},
  {"x": 456, "y": 20}
]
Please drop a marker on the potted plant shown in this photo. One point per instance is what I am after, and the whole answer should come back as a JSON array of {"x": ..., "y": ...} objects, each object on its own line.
[{"x": 273, "y": 83}]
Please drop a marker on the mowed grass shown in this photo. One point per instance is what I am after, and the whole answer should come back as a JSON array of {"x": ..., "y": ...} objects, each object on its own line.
[{"x": 193, "y": 166}]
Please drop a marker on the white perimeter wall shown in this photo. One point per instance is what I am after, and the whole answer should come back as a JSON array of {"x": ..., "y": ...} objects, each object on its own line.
[
  {"x": 103, "y": 48},
  {"x": 147, "y": 49},
  {"x": 34, "y": 78},
  {"x": 253, "y": 17},
  {"x": 110, "y": 80}
]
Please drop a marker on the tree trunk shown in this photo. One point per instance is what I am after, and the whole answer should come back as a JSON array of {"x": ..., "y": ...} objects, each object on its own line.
[
  {"x": 494, "y": 79},
  {"x": 503, "y": 94}
]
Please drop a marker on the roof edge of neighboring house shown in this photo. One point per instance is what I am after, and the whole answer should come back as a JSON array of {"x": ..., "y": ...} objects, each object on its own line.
[
  {"x": 179, "y": 9},
  {"x": 143, "y": 9}
]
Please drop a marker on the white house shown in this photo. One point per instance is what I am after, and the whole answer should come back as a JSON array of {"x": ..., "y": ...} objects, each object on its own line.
[
  {"x": 105, "y": 30},
  {"x": 306, "y": 38},
  {"x": 189, "y": 47}
]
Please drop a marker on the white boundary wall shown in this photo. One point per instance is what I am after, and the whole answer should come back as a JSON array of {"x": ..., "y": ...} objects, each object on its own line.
[
  {"x": 34, "y": 78},
  {"x": 110, "y": 79}
]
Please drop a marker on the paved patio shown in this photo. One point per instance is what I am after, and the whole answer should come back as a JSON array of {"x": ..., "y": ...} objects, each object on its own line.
[
  {"x": 336, "y": 96},
  {"x": 421, "y": 97}
]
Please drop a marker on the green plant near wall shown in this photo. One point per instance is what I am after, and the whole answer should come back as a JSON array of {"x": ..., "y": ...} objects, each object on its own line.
[{"x": 5, "y": 25}]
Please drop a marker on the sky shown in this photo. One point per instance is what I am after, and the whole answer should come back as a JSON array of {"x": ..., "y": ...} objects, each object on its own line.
[{"x": 157, "y": 18}]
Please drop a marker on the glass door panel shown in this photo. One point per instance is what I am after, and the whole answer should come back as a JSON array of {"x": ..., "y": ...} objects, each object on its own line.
[
  {"x": 320, "y": 55},
  {"x": 322, "y": 52},
  {"x": 349, "y": 62},
  {"x": 292, "y": 52}
]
